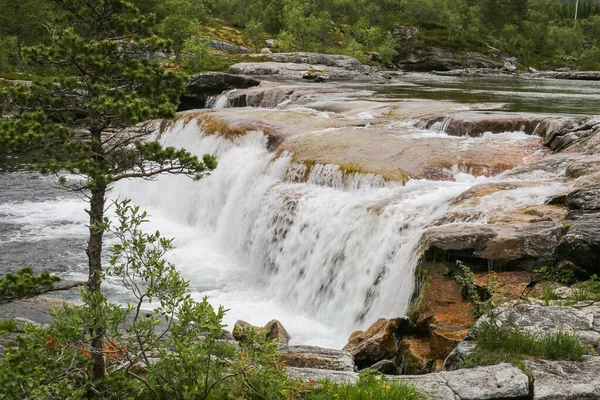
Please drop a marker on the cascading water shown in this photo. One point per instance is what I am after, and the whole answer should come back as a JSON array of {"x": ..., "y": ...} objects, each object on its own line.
[
  {"x": 218, "y": 102},
  {"x": 325, "y": 256}
]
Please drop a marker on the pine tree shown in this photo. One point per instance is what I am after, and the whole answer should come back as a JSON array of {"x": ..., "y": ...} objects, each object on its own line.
[{"x": 88, "y": 120}]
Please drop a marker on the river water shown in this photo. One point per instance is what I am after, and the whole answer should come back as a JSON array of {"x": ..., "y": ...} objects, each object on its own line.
[{"x": 325, "y": 255}]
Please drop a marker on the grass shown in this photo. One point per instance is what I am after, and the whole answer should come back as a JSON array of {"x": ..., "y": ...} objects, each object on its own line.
[
  {"x": 370, "y": 386},
  {"x": 509, "y": 343},
  {"x": 588, "y": 290},
  {"x": 7, "y": 325},
  {"x": 547, "y": 293}
]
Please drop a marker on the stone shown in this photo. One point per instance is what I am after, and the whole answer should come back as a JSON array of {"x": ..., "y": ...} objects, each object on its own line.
[
  {"x": 443, "y": 341},
  {"x": 275, "y": 331},
  {"x": 581, "y": 244},
  {"x": 228, "y": 47},
  {"x": 316, "y": 358},
  {"x": 434, "y": 385},
  {"x": 384, "y": 366},
  {"x": 460, "y": 353},
  {"x": 378, "y": 342},
  {"x": 502, "y": 381},
  {"x": 329, "y": 60},
  {"x": 564, "y": 292},
  {"x": 270, "y": 43},
  {"x": 414, "y": 356},
  {"x": 586, "y": 198},
  {"x": 313, "y": 376},
  {"x": 403, "y": 34},
  {"x": 205, "y": 84},
  {"x": 566, "y": 380},
  {"x": 586, "y": 166},
  {"x": 541, "y": 320}
]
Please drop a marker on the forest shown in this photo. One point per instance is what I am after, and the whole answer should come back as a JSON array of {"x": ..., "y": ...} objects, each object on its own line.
[{"x": 544, "y": 34}]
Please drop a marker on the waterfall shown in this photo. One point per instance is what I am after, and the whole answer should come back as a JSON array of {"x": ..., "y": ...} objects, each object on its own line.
[
  {"x": 218, "y": 102},
  {"x": 330, "y": 251}
]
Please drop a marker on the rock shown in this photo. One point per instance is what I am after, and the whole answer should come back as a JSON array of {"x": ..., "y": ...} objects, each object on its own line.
[
  {"x": 581, "y": 244},
  {"x": 541, "y": 320},
  {"x": 291, "y": 70},
  {"x": 438, "y": 59},
  {"x": 586, "y": 198},
  {"x": 502, "y": 381},
  {"x": 270, "y": 43},
  {"x": 414, "y": 356},
  {"x": 203, "y": 85},
  {"x": 569, "y": 75},
  {"x": 316, "y": 358},
  {"x": 442, "y": 341},
  {"x": 458, "y": 355},
  {"x": 273, "y": 330},
  {"x": 384, "y": 366},
  {"x": 314, "y": 376},
  {"x": 228, "y": 47},
  {"x": 566, "y": 380},
  {"x": 265, "y": 50},
  {"x": 586, "y": 166},
  {"x": 564, "y": 292},
  {"x": 404, "y": 34},
  {"x": 433, "y": 385},
  {"x": 379, "y": 342},
  {"x": 329, "y": 60}
]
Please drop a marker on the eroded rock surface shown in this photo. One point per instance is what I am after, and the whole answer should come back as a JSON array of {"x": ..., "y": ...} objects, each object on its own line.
[
  {"x": 566, "y": 380},
  {"x": 316, "y": 358}
]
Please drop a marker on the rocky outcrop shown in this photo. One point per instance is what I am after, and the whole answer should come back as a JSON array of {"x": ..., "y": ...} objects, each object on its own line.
[
  {"x": 308, "y": 72},
  {"x": 438, "y": 59},
  {"x": 316, "y": 357},
  {"x": 460, "y": 353},
  {"x": 273, "y": 330},
  {"x": 228, "y": 47},
  {"x": 203, "y": 85},
  {"x": 378, "y": 342},
  {"x": 569, "y": 75},
  {"x": 580, "y": 246},
  {"x": 584, "y": 321},
  {"x": 329, "y": 60},
  {"x": 566, "y": 380}
]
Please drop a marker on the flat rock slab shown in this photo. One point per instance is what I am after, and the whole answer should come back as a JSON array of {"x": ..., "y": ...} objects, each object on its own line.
[
  {"x": 566, "y": 380},
  {"x": 317, "y": 358},
  {"x": 494, "y": 382}
]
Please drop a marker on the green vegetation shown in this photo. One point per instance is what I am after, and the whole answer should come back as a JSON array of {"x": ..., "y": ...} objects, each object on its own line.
[
  {"x": 371, "y": 386},
  {"x": 7, "y": 325},
  {"x": 508, "y": 343},
  {"x": 540, "y": 33},
  {"x": 588, "y": 290}
]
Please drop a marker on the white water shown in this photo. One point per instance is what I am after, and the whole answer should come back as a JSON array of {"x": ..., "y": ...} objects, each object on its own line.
[{"x": 324, "y": 257}]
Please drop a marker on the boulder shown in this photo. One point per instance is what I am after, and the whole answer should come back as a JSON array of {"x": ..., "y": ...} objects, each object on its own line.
[
  {"x": 384, "y": 366},
  {"x": 314, "y": 376},
  {"x": 581, "y": 244},
  {"x": 586, "y": 198},
  {"x": 404, "y": 34},
  {"x": 275, "y": 331},
  {"x": 502, "y": 381},
  {"x": 378, "y": 342},
  {"x": 205, "y": 84},
  {"x": 228, "y": 47},
  {"x": 566, "y": 380},
  {"x": 428, "y": 59},
  {"x": 541, "y": 320},
  {"x": 272, "y": 330},
  {"x": 414, "y": 356},
  {"x": 316, "y": 358},
  {"x": 329, "y": 60},
  {"x": 459, "y": 355},
  {"x": 586, "y": 166}
]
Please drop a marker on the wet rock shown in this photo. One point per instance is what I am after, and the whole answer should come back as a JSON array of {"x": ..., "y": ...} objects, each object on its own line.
[
  {"x": 569, "y": 75},
  {"x": 379, "y": 342},
  {"x": 459, "y": 355},
  {"x": 384, "y": 366},
  {"x": 586, "y": 166},
  {"x": 566, "y": 380},
  {"x": 581, "y": 244},
  {"x": 316, "y": 357},
  {"x": 587, "y": 198},
  {"x": 203, "y": 85}
]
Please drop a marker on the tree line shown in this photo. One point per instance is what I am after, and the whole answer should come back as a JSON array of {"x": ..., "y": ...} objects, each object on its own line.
[{"x": 540, "y": 33}]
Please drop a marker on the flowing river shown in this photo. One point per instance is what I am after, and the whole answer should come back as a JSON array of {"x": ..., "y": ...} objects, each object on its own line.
[{"x": 322, "y": 248}]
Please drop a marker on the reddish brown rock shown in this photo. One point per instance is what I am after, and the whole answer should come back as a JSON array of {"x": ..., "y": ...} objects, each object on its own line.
[
  {"x": 379, "y": 342},
  {"x": 415, "y": 357}
]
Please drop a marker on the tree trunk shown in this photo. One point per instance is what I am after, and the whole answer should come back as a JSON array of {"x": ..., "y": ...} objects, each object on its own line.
[{"x": 94, "y": 253}]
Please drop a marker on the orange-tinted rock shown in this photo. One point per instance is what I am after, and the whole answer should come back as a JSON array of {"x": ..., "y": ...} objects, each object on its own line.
[
  {"x": 511, "y": 284},
  {"x": 443, "y": 340},
  {"x": 379, "y": 342},
  {"x": 415, "y": 357}
]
